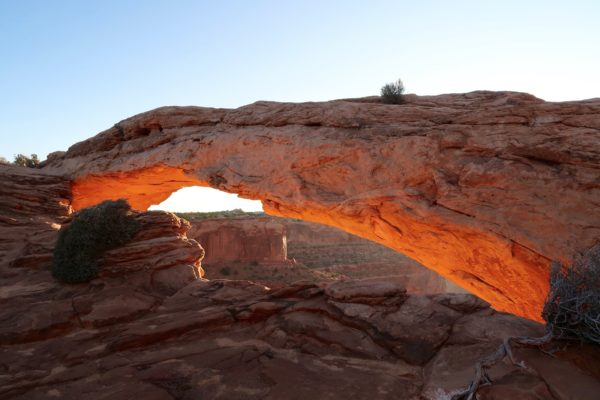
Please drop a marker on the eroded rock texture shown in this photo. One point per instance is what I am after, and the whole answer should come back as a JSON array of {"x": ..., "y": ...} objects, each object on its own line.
[
  {"x": 149, "y": 328},
  {"x": 133, "y": 279},
  {"x": 238, "y": 340},
  {"x": 33, "y": 205},
  {"x": 484, "y": 188}
]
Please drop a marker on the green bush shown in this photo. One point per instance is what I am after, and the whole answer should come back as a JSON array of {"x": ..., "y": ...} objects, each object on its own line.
[
  {"x": 391, "y": 93},
  {"x": 237, "y": 213},
  {"x": 226, "y": 271},
  {"x": 92, "y": 231},
  {"x": 23, "y": 161}
]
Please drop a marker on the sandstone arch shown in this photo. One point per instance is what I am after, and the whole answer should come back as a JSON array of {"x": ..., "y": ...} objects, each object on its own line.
[{"x": 484, "y": 188}]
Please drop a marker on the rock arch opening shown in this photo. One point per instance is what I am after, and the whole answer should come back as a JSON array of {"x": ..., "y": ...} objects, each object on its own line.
[
  {"x": 193, "y": 199},
  {"x": 484, "y": 188},
  {"x": 488, "y": 265},
  {"x": 242, "y": 242}
]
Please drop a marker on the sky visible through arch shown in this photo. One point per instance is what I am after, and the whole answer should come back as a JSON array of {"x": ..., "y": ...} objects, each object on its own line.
[{"x": 70, "y": 69}]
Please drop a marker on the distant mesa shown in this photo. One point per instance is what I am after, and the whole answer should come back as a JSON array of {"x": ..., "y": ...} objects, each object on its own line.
[{"x": 273, "y": 251}]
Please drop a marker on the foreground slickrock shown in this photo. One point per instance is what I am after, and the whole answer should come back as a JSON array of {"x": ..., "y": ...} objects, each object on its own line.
[
  {"x": 237, "y": 340},
  {"x": 150, "y": 327},
  {"x": 484, "y": 188}
]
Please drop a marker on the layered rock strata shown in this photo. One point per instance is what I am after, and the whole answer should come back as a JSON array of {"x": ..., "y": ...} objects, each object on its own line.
[
  {"x": 148, "y": 327},
  {"x": 484, "y": 188},
  {"x": 33, "y": 205},
  {"x": 133, "y": 279},
  {"x": 236, "y": 339}
]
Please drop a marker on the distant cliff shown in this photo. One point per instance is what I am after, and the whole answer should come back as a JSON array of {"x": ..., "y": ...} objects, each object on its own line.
[
  {"x": 245, "y": 240},
  {"x": 234, "y": 240}
]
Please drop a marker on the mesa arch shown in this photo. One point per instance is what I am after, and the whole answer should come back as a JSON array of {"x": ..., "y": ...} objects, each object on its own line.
[{"x": 485, "y": 187}]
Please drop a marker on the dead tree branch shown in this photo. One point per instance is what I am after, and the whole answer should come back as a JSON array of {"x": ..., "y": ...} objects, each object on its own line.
[{"x": 571, "y": 312}]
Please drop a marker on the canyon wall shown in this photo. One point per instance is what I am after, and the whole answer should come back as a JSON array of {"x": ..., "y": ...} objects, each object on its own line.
[
  {"x": 253, "y": 241},
  {"x": 330, "y": 249},
  {"x": 244, "y": 240},
  {"x": 33, "y": 206},
  {"x": 485, "y": 188}
]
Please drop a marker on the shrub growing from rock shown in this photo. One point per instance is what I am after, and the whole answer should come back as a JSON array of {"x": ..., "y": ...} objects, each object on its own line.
[
  {"x": 92, "y": 231},
  {"x": 572, "y": 309},
  {"x": 23, "y": 161},
  {"x": 571, "y": 313},
  {"x": 391, "y": 93}
]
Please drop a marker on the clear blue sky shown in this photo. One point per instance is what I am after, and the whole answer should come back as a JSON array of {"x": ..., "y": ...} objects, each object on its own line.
[{"x": 69, "y": 69}]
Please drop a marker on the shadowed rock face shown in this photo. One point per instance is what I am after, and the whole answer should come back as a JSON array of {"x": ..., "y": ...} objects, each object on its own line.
[
  {"x": 225, "y": 340},
  {"x": 33, "y": 205},
  {"x": 485, "y": 188}
]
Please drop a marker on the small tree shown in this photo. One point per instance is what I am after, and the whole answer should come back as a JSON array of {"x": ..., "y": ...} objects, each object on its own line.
[
  {"x": 391, "y": 93},
  {"x": 23, "y": 161},
  {"x": 3, "y": 161},
  {"x": 93, "y": 231}
]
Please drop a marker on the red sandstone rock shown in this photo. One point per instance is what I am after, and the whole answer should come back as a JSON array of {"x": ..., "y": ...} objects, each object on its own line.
[
  {"x": 226, "y": 339},
  {"x": 330, "y": 249},
  {"x": 484, "y": 188},
  {"x": 163, "y": 240},
  {"x": 157, "y": 262},
  {"x": 122, "y": 336},
  {"x": 243, "y": 240},
  {"x": 33, "y": 205}
]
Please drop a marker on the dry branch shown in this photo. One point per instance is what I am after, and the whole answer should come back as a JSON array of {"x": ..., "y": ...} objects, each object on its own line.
[{"x": 571, "y": 312}]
